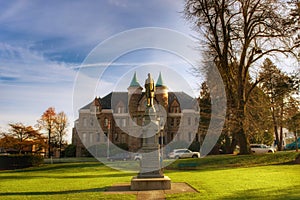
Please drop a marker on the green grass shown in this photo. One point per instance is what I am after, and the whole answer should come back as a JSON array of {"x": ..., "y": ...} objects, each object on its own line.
[
  {"x": 266, "y": 182},
  {"x": 270, "y": 176},
  {"x": 84, "y": 180},
  {"x": 229, "y": 161}
]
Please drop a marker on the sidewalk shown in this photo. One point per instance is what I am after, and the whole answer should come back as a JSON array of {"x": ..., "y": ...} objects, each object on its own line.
[{"x": 176, "y": 188}]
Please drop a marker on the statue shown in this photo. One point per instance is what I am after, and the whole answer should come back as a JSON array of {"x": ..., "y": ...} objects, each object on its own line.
[
  {"x": 150, "y": 89},
  {"x": 151, "y": 176}
]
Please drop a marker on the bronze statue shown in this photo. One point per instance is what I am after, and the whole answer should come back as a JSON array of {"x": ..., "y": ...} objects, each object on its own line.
[{"x": 150, "y": 89}]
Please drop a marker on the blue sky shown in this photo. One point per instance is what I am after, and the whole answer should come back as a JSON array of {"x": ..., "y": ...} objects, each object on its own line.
[{"x": 43, "y": 43}]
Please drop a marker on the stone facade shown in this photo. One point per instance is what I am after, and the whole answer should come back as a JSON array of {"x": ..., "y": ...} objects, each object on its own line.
[{"x": 119, "y": 116}]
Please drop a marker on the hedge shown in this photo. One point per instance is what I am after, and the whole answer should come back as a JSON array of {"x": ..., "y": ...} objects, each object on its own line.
[{"x": 19, "y": 161}]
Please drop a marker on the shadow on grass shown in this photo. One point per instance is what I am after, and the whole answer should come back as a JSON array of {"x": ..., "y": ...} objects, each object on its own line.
[
  {"x": 288, "y": 193},
  {"x": 52, "y": 192},
  {"x": 60, "y": 166},
  {"x": 49, "y": 175}
]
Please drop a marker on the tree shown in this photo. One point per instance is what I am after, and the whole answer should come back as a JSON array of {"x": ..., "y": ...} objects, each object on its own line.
[
  {"x": 24, "y": 139},
  {"x": 279, "y": 87},
  {"x": 47, "y": 122},
  {"x": 237, "y": 34},
  {"x": 205, "y": 111},
  {"x": 61, "y": 124},
  {"x": 257, "y": 120}
]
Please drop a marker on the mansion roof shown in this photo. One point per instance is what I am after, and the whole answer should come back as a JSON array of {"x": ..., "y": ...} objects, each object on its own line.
[{"x": 112, "y": 99}]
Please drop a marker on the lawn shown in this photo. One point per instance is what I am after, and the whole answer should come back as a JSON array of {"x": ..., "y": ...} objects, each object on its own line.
[{"x": 216, "y": 177}]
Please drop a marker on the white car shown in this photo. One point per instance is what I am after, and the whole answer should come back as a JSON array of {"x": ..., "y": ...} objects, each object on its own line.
[
  {"x": 183, "y": 153},
  {"x": 137, "y": 157},
  {"x": 261, "y": 148}
]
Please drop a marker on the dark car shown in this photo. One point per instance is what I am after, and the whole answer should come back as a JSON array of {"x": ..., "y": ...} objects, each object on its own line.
[
  {"x": 292, "y": 146},
  {"x": 120, "y": 156}
]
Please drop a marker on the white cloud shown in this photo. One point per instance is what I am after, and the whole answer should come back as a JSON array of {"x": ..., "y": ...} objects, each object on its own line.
[
  {"x": 31, "y": 67},
  {"x": 30, "y": 81},
  {"x": 29, "y": 84}
]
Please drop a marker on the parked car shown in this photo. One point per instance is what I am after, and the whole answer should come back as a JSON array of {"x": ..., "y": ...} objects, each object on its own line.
[
  {"x": 137, "y": 157},
  {"x": 120, "y": 156},
  {"x": 261, "y": 148},
  {"x": 292, "y": 146},
  {"x": 183, "y": 153}
]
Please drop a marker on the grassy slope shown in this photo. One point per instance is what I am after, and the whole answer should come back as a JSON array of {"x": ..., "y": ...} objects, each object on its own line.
[
  {"x": 217, "y": 177},
  {"x": 264, "y": 176}
]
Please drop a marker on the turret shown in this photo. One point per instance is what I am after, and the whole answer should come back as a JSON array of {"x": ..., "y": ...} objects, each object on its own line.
[
  {"x": 134, "y": 86},
  {"x": 161, "y": 93},
  {"x": 134, "y": 94}
]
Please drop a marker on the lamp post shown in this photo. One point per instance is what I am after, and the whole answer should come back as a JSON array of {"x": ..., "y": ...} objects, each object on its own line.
[
  {"x": 161, "y": 121},
  {"x": 108, "y": 132}
]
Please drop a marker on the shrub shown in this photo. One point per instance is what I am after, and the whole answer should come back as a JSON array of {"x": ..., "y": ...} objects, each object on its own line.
[
  {"x": 70, "y": 151},
  {"x": 19, "y": 161}
]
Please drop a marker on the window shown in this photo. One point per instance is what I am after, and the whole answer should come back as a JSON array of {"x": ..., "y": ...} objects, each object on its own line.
[
  {"x": 84, "y": 121},
  {"x": 92, "y": 122},
  {"x": 118, "y": 122},
  {"x": 84, "y": 137},
  {"x": 189, "y": 120},
  {"x": 172, "y": 122},
  {"x": 91, "y": 137},
  {"x": 123, "y": 122},
  {"x": 177, "y": 121},
  {"x": 98, "y": 137},
  {"x": 105, "y": 122},
  {"x": 98, "y": 108},
  {"x": 105, "y": 136},
  {"x": 120, "y": 109},
  {"x": 175, "y": 109}
]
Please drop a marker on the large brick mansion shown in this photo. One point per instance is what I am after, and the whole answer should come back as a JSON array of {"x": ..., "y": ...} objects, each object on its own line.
[{"x": 119, "y": 116}]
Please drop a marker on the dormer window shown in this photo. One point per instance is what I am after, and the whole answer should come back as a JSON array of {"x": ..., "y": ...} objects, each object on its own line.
[
  {"x": 175, "y": 107},
  {"x": 120, "y": 108}
]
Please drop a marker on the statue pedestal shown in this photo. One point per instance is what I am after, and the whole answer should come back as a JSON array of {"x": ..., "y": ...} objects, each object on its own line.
[
  {"x": 150, "y": 166},
  {"x": 150, "y": 176},
  {"x": 141, "y": 184}
]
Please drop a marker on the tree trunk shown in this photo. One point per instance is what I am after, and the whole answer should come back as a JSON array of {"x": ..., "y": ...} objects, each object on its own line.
[
  {"x": 280, "y": 143},
  {"x": 241, "y": 135},
  {"x": 49, "y": 143}
]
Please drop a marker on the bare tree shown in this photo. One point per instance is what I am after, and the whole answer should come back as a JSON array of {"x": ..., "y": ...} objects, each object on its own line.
[
  {"x": 237, "y": 34},
  {"x": 61, "y": 124}
]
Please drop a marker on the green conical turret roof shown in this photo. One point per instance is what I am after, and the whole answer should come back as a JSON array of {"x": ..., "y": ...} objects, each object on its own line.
[
  {"x": 134, "y": 81},
  {"x": 160, "y": 81}
]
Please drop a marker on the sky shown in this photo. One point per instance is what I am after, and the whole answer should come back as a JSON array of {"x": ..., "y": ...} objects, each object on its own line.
[{"x": 46, "y": 47}]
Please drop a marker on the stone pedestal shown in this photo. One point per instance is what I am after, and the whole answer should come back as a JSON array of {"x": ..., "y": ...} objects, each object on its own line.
[
  {"x": 150, "y": 176},
  {"x": 141, "y": 184},
  {"x": 150, "y": 166}
]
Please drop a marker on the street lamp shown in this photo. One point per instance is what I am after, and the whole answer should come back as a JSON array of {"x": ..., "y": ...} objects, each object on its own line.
[
  {"x": 108, "y": 132},
  {"x": 161, "y": 123}
]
